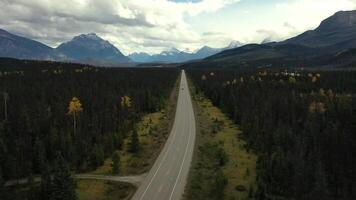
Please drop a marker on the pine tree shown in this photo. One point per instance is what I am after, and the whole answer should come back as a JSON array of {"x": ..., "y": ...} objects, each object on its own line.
[
  {"x": 2, "y": 192},
  {"x": 63, "y": 185},
  {"x": 39, "y": 156},
  {"x": 320, "y": 190},
  {"x": 6, "y": 97},
  {"x": 46, "y": 184},
  {"x": 115, "y": 163},
  {"x": 32, "y": 192},
  {"x": 97, "y": 157},
  {"x": 134, "y": 142}
]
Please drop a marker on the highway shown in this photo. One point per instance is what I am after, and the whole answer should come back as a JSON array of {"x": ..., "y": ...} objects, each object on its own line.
[{"x": 167, "y": 178}]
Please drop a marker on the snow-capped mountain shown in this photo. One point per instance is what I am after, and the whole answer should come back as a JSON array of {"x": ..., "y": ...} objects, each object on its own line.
[
  {"x": 233, "y": 44},
  {"x": 177, "y": 56}
]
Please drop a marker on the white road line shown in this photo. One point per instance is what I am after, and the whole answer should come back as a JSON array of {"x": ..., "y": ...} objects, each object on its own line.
[
  {"x": 160, "y": 165},
  {"x": 181, "y": 166}
]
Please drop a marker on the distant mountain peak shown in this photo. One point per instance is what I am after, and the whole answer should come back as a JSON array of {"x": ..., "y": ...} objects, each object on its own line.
[
  {"x": 91, "y": 46},
  {"x": 170, "y": 51},
  {"x": 173, "y": 49},
  {"x": 234, "y": 44},
  {"x": 206, "y": 47},
  {"x": 205, "y": 50},
  {"x": 91, "y": 36}
]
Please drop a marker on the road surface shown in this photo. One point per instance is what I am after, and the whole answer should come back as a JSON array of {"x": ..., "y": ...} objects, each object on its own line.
[{"x": 168, "y": 176}]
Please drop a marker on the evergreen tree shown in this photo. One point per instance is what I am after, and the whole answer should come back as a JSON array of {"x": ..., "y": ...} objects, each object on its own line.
[
  {"x": 39, "y": 156},
  {"x": 134, "y": 142},
  {"x": 63, "y": 185},
  {"x": 32, "y": 192},
  {"x": 2, "y": 192},
  {"x": 97, "y": 157},
  {"x": 46, "y": 184},
  {"x": 6, "y": 97},
  {"x": 115, "y": 163},
  {"x": 320, "y": 190}
]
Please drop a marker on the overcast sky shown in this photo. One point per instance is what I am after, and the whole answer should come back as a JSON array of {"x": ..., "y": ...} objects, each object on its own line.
[{"x": 155, "y": 25}]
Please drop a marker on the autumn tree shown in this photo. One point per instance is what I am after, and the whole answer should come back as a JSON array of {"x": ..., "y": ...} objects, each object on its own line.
[
  {"x": 74, "y": 108},
  {"x": 126, "y": 102}
]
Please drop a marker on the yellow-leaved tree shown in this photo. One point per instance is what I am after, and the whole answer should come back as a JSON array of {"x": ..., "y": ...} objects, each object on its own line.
[
  {"x": 126, "y": 102},
  {"x": 73, "y": 109}
]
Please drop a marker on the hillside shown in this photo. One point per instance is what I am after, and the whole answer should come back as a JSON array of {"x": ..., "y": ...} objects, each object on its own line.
[
  {"x": 335, "y": 34},
  {"x": 20, "y": 47},
  {"x": 90, "y": 47}
]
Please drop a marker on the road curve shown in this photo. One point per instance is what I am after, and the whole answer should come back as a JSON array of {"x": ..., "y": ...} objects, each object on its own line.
[{"x": 167, "y": 178}]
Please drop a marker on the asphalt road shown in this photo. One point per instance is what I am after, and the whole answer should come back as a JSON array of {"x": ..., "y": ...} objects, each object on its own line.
[{"x": 168, "y": 176}]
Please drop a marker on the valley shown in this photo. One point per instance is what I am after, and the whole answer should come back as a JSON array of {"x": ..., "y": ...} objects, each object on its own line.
[{"x": 178, "y": 100}]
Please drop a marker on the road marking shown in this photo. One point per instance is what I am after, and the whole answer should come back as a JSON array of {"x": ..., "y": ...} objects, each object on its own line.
[
  {"x": 181, "y": 166},
  {"x": 164, "y": 157}
]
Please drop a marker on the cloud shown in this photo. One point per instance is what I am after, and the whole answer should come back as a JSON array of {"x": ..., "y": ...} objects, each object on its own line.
[
  {"x": 154, "y": 25},
  {"x": 150, "y": 25},
  {"x": 302, "y": 15},
  {"x": 297, "y": 16}
]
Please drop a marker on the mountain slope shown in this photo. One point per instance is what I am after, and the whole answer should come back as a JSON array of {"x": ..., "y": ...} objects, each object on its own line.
[
  {"x": 90, "y": 47},
  {"x": 19, "y": 47},
  {"x": 334, "y": 35},
  {"x": 140, "y": 57},
  {"x": 334, "y": 30}
]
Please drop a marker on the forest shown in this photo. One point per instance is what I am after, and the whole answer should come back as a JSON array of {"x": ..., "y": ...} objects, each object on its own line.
[
  {"x": 301, "y": 124},
  {"x": 68, "y": 113}
]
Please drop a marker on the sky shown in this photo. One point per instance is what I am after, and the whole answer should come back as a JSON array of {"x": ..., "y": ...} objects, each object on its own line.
[{"x": 155, "y": 25}]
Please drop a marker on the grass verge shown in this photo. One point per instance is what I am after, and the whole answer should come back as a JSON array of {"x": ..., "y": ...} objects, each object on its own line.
[
  {"x": 219, "y": 149},
  {"x": 103, "y": 190}
]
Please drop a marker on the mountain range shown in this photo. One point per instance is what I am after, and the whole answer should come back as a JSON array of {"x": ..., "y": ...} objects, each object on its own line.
[
  {"x": 176, "y": 56},
  {"x": 90, "y": 48},
  {"x": 333, "y": 43},
  {"x": 85, "y": 48}
]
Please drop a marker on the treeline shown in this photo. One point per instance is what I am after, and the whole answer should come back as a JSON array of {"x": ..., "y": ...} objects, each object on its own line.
[
  {"x": 79, "y": 111},
  {"x": 302, "y": 125}
]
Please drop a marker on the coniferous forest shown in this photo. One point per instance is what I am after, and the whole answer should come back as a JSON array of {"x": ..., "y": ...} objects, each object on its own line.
[
  {"x": 54, "y": 112},
  {"x": 301, "y": 125}
]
